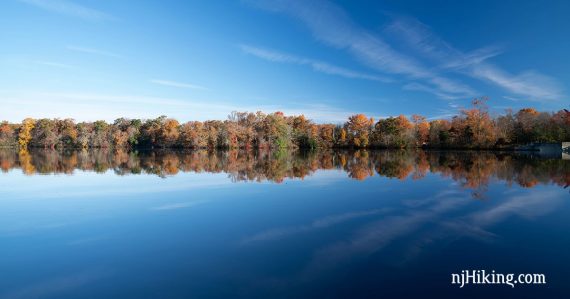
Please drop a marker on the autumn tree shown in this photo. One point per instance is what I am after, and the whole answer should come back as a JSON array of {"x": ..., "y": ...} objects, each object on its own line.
[
  {"x": 526, "y": 120},
  {"x": 100, "y": 136},
  {"x": 25, "y": 132},
  {"x": 231, "y": 135},
  {"x": 478, "y": 127},
  {"x": 327, "y": 136},
  {"x": 300, "y": 129},
  {"x": 7, "y": 134},
  {"x": 275, "y": 130},
  {"x": 421, "y": 128},
  {"x": 44, "y": 134},
  {"x": 193, "y": 135},
  {"x": 84, "y": 135},
  {"x": 342, "y": 136},
  {"x": 67, "y": 131},
  {"x": 119, "y": 134},
  {"x": 358, "y": 130},
  {"x": 214, "y": 129},
  {"x": 168, "y": 133},
  {"x": 439, "y": 133},
  {"x": 151, "y": 130},
  {"x": 561, "y": 125},
  {"x": 393, "y": 132},
  {"x": 505, "y": 129}
]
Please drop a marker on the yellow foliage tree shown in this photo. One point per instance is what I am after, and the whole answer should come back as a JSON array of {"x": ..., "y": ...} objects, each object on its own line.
[{"x": 25, "y": 134}]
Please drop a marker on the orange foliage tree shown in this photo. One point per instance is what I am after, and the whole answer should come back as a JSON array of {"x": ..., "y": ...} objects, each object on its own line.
[{"x": 358, "y": 128}]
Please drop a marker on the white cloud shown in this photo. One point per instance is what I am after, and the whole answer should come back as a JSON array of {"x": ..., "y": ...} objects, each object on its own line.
[
  {"x": 331, "y": 25},
  {"x": 511, "y": 98},
  {"x": 55, "y": 64},
  {"x": 316, "y": 65},
  {"x": 180, "y": 205},
  {"x": 69, "y": 8},
  {"x": 177, "y": 84},
  {"x": 531, "y": 84},
  {"x": 93, "y": 51},
  {"x": 425, "y": 88},
  {"x": 418, "y": 36},
  {"x": 473, "y": 58}
]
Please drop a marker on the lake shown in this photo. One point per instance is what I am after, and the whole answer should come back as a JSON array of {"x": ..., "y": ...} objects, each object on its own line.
[{"x": 234, "y": 224}]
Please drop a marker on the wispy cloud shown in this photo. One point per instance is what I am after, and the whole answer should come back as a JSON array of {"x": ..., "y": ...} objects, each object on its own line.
[
  {"x": 331, "y": 25},
  {"x": 316, "y": 65},
  {"x": 408, "y": 48},
  {"x": 433, "y": 90},
  {"x": 419, "y": 37},
  {"x": 87, "y": 240},
  {"x": 473, "y": 58},
  {"x": 180, "y": 205},
  {"x": 69, "y": 8},
  {"x": 531, "y": 84},
  {"x": 511, "y": 98},
  {"x": 177, "y": 84},
  {"x": 93, "y": 51},
  {"x": 55, "y": 64},
  {"x": 444, "y": 113}
]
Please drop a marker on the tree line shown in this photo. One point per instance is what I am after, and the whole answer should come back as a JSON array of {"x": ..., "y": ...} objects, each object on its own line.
[{"x": 472, "y": 128}]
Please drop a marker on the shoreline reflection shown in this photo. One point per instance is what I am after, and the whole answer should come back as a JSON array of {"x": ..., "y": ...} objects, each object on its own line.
[{"x": 472, "y": 170}]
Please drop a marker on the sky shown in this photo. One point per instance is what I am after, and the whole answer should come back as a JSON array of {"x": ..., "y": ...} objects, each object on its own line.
[{"x": 198, "y": 60}]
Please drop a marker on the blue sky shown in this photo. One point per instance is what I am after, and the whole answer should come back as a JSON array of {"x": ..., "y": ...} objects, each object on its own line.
[{"x": 89, "y": 60}]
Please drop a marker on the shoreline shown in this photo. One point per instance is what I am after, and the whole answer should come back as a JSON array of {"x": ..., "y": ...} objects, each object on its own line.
[{"x": 304, "y": 149}]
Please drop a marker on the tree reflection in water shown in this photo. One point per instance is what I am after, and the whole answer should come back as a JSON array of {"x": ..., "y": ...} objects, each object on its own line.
[{"x": 472, "y": 170}]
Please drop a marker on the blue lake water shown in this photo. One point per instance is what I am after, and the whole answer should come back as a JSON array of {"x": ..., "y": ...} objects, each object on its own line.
[{"x": 368, "y": 224}]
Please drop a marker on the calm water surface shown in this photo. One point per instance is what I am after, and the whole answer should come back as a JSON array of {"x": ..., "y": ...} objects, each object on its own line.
[{"x": 369, "y": 224}]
